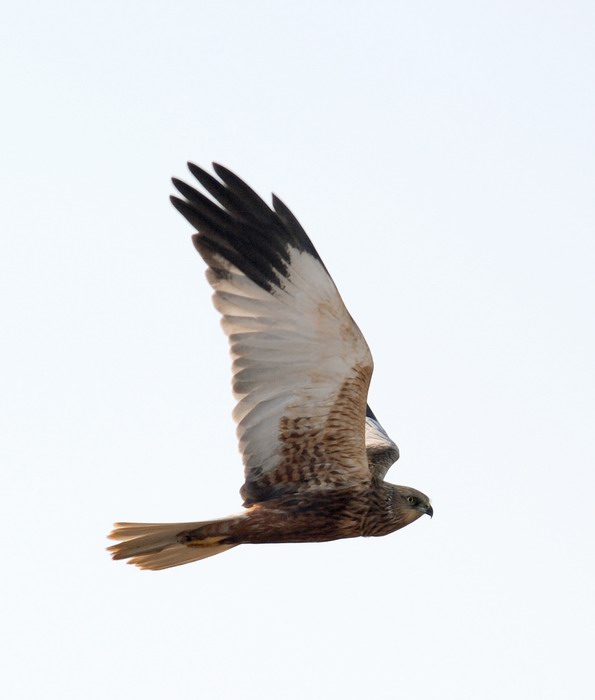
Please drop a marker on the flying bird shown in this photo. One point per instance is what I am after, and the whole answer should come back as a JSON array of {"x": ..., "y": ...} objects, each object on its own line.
[{"x": 315, "y": 456}]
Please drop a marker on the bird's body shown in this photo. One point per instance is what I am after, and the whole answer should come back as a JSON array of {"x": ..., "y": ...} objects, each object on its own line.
[{"x": 315, "y": 455}]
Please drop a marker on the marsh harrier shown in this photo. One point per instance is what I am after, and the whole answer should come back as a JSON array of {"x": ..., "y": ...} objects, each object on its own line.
[{"x": 314, "y": 454}]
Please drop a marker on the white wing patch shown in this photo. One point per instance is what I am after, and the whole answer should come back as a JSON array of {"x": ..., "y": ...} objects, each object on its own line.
[
  {"x": 382, "y": 451},
  {"x": 301, "y": 370}
]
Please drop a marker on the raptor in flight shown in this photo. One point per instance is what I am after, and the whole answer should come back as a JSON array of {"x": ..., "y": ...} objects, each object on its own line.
[{"x": 314, "y": 454}]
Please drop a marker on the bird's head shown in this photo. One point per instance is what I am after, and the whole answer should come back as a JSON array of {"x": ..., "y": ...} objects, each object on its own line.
[{"x": 411, "y": 504}]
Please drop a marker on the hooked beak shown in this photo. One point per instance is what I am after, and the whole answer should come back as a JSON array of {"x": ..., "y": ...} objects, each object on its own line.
[{"x": 430, "y": 511}]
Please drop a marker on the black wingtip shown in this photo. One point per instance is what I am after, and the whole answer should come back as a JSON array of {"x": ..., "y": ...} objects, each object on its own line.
[
  {"x": 370, "y": 414},
  {"x": 183, "y": 207},
  {"x": 237, "y": 225},
  {"x": 229, "y": 177},
  {"x": 178, "y": 184},
  {"x": 197, "y": 171}
]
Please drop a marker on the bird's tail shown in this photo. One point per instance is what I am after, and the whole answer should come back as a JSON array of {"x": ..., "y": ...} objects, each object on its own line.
[{"x": 161, "y": 545}]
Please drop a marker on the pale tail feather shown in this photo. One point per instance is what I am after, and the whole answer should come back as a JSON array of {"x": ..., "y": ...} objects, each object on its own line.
[{"x": 156, "y": 546}]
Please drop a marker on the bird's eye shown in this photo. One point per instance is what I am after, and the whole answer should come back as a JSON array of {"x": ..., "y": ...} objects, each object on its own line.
[{"x": 412, "y": 500}]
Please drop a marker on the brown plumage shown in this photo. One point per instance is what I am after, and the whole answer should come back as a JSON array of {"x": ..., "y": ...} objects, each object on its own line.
[{"x": 315, "y": 456}]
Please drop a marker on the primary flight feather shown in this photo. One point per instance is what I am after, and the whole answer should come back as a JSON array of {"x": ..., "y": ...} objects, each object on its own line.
[{"x": 314, "y": 454}]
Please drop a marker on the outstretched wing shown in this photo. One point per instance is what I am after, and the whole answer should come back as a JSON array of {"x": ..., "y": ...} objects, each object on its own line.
[
  {"x": 301, "y": 367},
  {"x": 381, "y": 450}
]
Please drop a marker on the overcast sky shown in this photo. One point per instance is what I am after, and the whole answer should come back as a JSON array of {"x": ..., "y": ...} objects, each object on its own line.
[{"x": 442, "y": 158}]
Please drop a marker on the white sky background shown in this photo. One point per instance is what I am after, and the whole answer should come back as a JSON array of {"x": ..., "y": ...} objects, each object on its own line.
[{"x": 441, "y": 157}]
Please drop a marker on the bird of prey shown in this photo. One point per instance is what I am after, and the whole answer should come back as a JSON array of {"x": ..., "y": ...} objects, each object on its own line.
[{"x": 314, "y": 454}]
